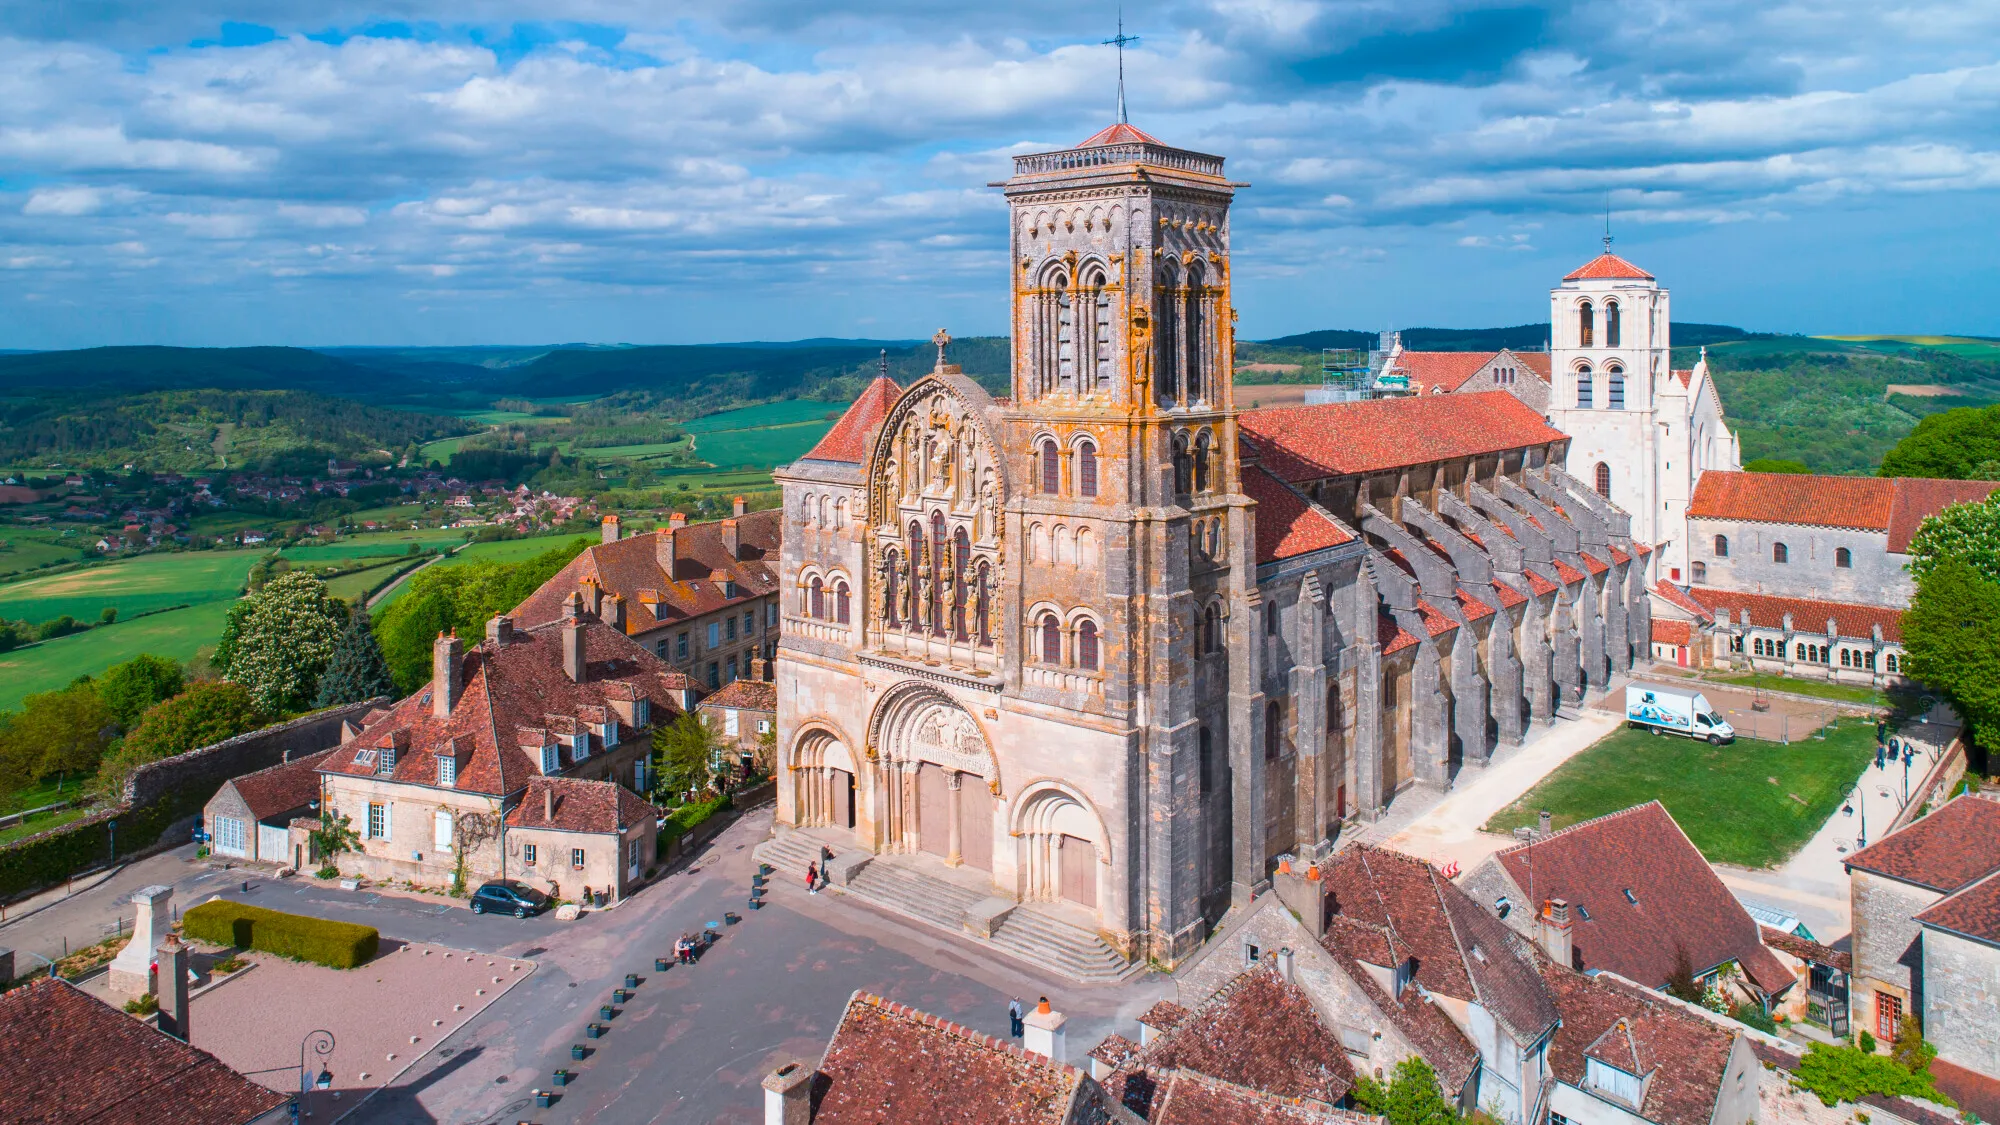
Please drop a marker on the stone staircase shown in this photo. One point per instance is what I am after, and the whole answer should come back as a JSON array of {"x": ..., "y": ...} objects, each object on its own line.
[{"x": 894, "y": 884}]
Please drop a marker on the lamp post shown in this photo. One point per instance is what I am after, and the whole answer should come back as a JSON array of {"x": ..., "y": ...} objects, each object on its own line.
[
  {"x": 1909, "y": 755},
  {"x": 321, "y": 1043}
]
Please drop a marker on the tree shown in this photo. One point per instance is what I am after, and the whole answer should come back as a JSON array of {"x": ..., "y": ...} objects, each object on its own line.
[
  {"x": 1847, "y": 1074},
  {"x": 1910, "y": 1051},
  {"x": 1681, "y": 983},
  {"x": 357, "y": 670},
  {"x": 1954, "y": 444},
  {"x": 1951, "y": 641},
  {"x": 56, "y": 732},
  {"x": 204, "y": 714},
  {"x": 464, "y": 598},
  {"x": 131, "y": 688},
  {"x": 285, "y": 642},
  {"x": 1411, "y": 1097},
  {"x": 330, "y": 839},
  {"x": 687, "y": 755},
  {"x": 408, "y": 629},
  {"x": 1775, "y": 465},
  {"x": 1967, "y": 532}
]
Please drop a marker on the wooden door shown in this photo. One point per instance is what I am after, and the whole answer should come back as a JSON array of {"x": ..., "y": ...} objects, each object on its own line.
[
  {"x": 1079, "y": 871},
  {"x": 842, "y": 813},
  {"x": 975, "y": 810},
  {"x": 933, "y": 807}
]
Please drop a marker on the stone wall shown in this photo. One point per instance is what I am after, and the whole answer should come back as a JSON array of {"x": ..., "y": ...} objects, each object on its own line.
[
  {"x": 1885, "y": 940},
  {"x": 1962, "y": 1001},
  {"x": 212, "y": 765},
  {"x": 1875, "y": 578}
]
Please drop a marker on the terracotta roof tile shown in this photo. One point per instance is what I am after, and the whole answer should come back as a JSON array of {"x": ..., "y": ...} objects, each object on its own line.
[
  {"x": 1164, "y": 1015},
  {"x": 890, "y": 1062},
  {"x": 1119, "y": 133},
  {"x": 1306, "y": 443},
  {"x": 1676, "y": 901},
  {"x": 1945, "y": 851},
  {"x": 71, "y": 1058},
  {"x": 1919, "y": 497},
  {"x": 1537, "y": 362},
  {"x": 1675, "y": 596},
  {"x": 850, "y": 437},
  {"x": 281, "y": 788},
  {"x": 633, "y": 569},
  {"x": 1969, "y": 1088},
  {"x": 1768, "y": 611},
  {"x": 1607, "y": 266},
  {"x": 1806, "y": 950},
  {"x": 1434, "y": 1034},
  {"x": 1669, "y": 632},
  {"x": 1684, "y": 374},
  {"x": 1184, "y": 1097},
  {"x": 1436, "y": 372},
  {"x": 602, "y": 807},
  {"x": 1687, "y": 1056},
  {"x": 1973, "y": 912},
  {"x": 1288, "y": 524},
  {"x": 1794, "y": 498},
  {"x": 1569, "y": 574},
  {"x": 745, "y": 695}
]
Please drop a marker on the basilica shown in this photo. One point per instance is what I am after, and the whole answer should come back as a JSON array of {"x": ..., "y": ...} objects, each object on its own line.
[{"x": 1106, "y": 649}]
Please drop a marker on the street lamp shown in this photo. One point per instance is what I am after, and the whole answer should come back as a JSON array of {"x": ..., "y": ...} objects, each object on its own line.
[{"x": 321, "y": 1043}]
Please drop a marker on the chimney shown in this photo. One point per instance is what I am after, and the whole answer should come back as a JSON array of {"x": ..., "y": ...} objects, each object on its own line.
[
  {"x": 666, "y": 547},
  {"x": 173, "y": 988},
  {"x": 731, "y": 542},
  {"x": 740, "y": 507},
  {"x": 1544, "y": 822},
  {"x": 593, "y": 597},
  {"x": 572, "y": 650},
  {"x": 447, "y": 673},
  {"x": 788, "y": 1095},
  {"x": 572, "y": 606},
  {"x": 614, "y": 611},
  {"x": 612, "y": 529},
  {"x": 678, "y": 519},
  {"x": 548, "y": 804},
  {"x": 500, "y": 629},
  {"x": 1285, "y": 963},
  {"x": 1556, "y": 932},
  {"x": 1045, "y": 1035}
]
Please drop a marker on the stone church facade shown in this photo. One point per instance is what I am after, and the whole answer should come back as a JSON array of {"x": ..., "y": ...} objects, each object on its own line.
[{"x": 1118, "y": 645}]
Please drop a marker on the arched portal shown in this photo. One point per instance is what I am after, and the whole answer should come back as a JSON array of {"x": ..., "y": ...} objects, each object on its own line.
[
  {"x": 825, "y": 780},
  {"x": 939, "y": 776},
  {"x": 1063, "y": 852}
]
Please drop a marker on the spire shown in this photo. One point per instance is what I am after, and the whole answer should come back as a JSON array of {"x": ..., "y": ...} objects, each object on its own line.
[
  {"x": 1607, "y": 224},
  {"x": 884, "y": 362},
  {"x": 1120, "y": 42}
]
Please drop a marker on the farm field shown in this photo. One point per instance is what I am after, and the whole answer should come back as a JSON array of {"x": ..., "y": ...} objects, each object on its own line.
[
  {"x": 375, "y": 544},
  {"x": 634, "y": 452},
  {"x": 53, "y": 664},
  {"x": 781, "y": 413},
  {"x": 766, "y": 447},
  {"x": 1748, "y": 803},
  {"x": 502, "y": 551},
  {"x": 353, "y": 585},
  {"x": 20, "y": 552},
  {"x": 1971, "y": 347},
  {"x": 132, "y": 585}
]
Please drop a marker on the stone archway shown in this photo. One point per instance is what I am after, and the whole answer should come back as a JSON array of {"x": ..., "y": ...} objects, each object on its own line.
[
  {"x": 825, "y": 781},
  {"x": 938, "y": 774},
  {"x": 1062, "y": 852}
]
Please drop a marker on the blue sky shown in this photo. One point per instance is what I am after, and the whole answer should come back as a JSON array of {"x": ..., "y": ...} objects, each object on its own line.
[{"x": 393, "y": 172}]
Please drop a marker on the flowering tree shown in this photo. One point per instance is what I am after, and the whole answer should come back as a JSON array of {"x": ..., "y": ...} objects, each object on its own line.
[
  {"x": 284, "y": 641},
  {"x": 1967, "y": 532}
]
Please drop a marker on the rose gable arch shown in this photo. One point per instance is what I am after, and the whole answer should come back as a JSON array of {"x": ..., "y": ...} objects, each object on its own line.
[{"x": 965, "y": 403}]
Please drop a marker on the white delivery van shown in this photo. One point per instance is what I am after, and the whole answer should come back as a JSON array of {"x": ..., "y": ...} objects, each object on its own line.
[{"x": 1668, "y": 710}]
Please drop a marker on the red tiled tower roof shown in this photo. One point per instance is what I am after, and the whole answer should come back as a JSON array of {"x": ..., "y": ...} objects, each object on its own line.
[
  {"x": 1607, "y": 266},
  {"x": 848, "y": 439}
]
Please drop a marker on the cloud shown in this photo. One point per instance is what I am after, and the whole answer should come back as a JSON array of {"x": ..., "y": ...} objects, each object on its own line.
[{"x": 327, "y": 158}]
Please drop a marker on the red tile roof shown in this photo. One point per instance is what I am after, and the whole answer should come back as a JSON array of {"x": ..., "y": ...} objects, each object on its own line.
[
  {"x": 1666, "y": 632},
  {"x": 281, "y": 788},
  {"x": 1969, "y": 1088},
  {"x": 1677, "y": 902},
  {"x": 1433, "y": 372},
  {"x": 1118, "y": 133},
  {"x": 1973, "y": 912},
  {"x": 849, "y": 438},
  {"x": 1945, "y": 851},
  {"x": 1305, "y": 443},
  {"x": 508, "y": 690},
  {"x": 632, "y": 568},
  {"x": 890, "y": 1062},
  {"x": 1288, "y": 524},
  {"x": 1183, "y": 1097},
  {"x": 1919, "y": 497},
  {"x": 1607, "y": 266},
  {"x": 1684, "y": 374},
  {"x": 71, "y": 1058},
  {"x": 1675, "y": 596},
  {"x": 1258, "y": 1031},
  {"x": 745, "y": 695},
  {"x": 1686, "y": 1056},
  {"x": 1537, "y": 362},
  {"x": 604, "y": 807},
  {"x": 1795, "y": 498},
  {"x": 1804, "y": 949},
  {"x": 1768, "y": 612}
]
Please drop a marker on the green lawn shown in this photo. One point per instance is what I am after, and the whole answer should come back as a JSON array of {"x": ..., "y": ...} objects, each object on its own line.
[
  {"x": 441, "y": 450},
  {"x": 656, "y": 449},
  {"x": 39, "y": 794},
  {"x": 1748, "y": 803},
  {"x": 132, "y": 585},
  {"x": 1818, "y": 689},
  {"x": 354, "y": 584},
  {"x": 19, "y": 552},
  {"x": 53, "y": 664},
  {"x": 42, "y": 822}
]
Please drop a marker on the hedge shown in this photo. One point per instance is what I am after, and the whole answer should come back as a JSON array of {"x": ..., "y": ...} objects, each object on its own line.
[
  {"x": 684, "y": 819},
  {"x": 50, "y": 857},
  {"x": 337, "y": 945}
]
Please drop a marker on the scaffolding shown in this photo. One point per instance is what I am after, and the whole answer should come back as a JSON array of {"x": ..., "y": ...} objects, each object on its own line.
[{"x": 1344, "y": 376}]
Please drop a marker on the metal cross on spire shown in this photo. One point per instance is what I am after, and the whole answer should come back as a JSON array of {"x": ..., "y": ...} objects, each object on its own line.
[
  {"x": 943, "y": 341},
  {"x": 1607, "y": 223},
  {"x": 1120, "y": 42}
]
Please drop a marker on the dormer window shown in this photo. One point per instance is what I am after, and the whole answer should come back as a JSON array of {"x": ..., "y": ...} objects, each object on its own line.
[
  {"x": 1614, "y": 1082},
  {"x": 551, "y": 760},
  {"x": 447, "y": 771},
  {"x": 364, "y": 757},
  {"x": 642, "y": 713},
  {"x": 385, "y": 761},
  {"x": 610, "y": 733}
]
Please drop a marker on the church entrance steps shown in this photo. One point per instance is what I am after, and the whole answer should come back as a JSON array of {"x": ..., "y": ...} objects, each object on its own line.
[{"x": 923, "y": 889}]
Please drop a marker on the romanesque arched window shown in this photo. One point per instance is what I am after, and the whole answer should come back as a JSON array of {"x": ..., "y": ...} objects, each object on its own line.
[
  {"x": 1210, "y": 630},
  {"x": 1101, "y": 352},
  {"x": 961, "y": 559},
  {"x": 817, "y": 601},
  {"x": 1780, "y": 553},
  {"x": 1167, "y": 333},
  {"x": 1086, "y": 646},
  {"x": 1051, "y": 467},
  {"x": 1700, "y": 571},
  {"x": 1194, "y": 320},
  {"x": 1614, "y": 394},
  {"x": 1584, "y": 335},
  {"x": 1086, "y": 468},
  {"x": 1843, "y": 558},
  {"x": 1583, "y": 396},
  {"x": 840, "y": 602},
  {"x": 1051, "y": 639},
  {"x": 1201, "y": 462},
  {"x": 1065, "y": 341},
  {"x": 1722, "y": 546},
  {"x": 1183, "y": 465},
  {"x": 1604, "y": 480},
  {"x": 892, "y": 563},
  {"x": 1610, "y": 324},
  {"x": 982, "y": 605}
]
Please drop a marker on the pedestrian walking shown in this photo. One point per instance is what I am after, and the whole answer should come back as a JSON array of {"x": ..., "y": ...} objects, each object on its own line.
[
  {"x": 812, "y": 878},
  {"x": 1014, "y": 1027}
]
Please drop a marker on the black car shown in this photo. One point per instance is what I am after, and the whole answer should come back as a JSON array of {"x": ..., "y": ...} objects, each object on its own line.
[{"x": 509, "y": 897}]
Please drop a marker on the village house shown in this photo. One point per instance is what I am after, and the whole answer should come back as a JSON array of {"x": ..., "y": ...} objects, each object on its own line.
[
  {"x": 1523, "y": 374},
  {"x": 250, "y": 817},
  {"x": 743, "y": 716},
  {"x": 567, "y": 836},
  {"x": 702, "y": 597},
  {"x": 429, "y": 786}
]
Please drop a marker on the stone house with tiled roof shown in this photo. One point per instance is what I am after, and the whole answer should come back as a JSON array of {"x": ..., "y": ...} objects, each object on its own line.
[
  {"x": 1820, "y": 538},
  {"x": 1119, "y": 644},
  {"x": 439, "y": 775},
  {"x": 1525, "y": 375},
  {"x": 744, "y": 715},
  {"x": 701, "y": 596},
  {"x": 570, "y": 834},
  {"x": 250, "y": 816},
  {"x": 1925, "y": 903},
  {"x": 1629, "y": 893}
]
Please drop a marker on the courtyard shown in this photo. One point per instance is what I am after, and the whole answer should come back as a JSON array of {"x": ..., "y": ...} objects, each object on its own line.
[{"x": 1748, "y": 803}]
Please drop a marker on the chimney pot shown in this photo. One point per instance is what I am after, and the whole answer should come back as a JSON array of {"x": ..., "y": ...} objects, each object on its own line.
[
  {"x": 740, "y": 507},
  {"x": 500, "y": 629},
  {"x": 678, "y": 519},
  {"x": 1545, "y": 821},
  {"x": 788, "y": 1095},
  {"x": 447, "y": 674},
  {"x": 1285, "y": 963},
  {"x": 1284, "y": 865},
  {"x": 1557, "y": 938},
  {"x": 1044, "y": 1033},
  {"x": 613, "y": 528}
]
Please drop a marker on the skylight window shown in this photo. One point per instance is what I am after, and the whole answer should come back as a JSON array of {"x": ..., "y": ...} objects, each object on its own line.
[
  {"x": 1582, "y": 912},
  {"x": 1630, "y": 897}
]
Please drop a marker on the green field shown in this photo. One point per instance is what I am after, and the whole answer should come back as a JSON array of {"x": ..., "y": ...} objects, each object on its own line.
[
  {"x": 133, "y": 585},
  {"x": 353, "y": 585},
  {"x": 634, "y": 452},
  {"x": 20, "y": 552},
  {"x": 781, "y": 413},
  {"x": 440, "y": 450},
  {"x": 500, "y": 551},
  {"x": 375, "y": 544},
  {"x": 1820, "y": 689},
  {"x": 1971, "y": 347},
  {"x": 53, "y": 664},
  {"x": 1749, "y": 803}
]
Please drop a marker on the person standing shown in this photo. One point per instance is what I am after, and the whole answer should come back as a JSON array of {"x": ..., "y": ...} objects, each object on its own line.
[
  {"x": 1014, "y": 1027},
  {"x": 812, "y": 878}
]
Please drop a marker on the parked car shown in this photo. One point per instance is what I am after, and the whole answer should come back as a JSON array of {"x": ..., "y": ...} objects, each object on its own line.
[
  {"x": 1666, "y": 710},
  {"x": 506, "y": 896}
]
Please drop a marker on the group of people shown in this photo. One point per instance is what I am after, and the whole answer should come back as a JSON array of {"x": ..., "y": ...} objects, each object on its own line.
[
  {"x": 816, "y": 872},
  {"x": 685, "y": 948}
]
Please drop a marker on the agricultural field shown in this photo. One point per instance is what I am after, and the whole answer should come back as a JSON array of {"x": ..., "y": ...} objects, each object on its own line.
[
  {"x": 1749, "y": 803},
  {"x": 500, "y": 551},
  {"x": 1969, "y": 347},
  {"x": 353, "y": 585},
  {"x": 20, "y": 551},
  {"x": 176, "y": 635},
  {"x": 375, "y": 544},
  {"x": 132, "y": 585}
]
